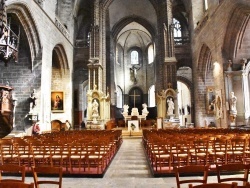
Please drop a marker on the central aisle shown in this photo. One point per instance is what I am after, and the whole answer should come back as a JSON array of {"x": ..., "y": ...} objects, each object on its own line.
[
  {"x": 129, "y": 168},
  {"x": 130, "y": 161}
]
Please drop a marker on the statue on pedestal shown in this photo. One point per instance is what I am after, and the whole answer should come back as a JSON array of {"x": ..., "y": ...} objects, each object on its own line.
[
  {"x": 233, "y": 110},
  {"x": 144, "y": 110},
  {"x": 125, "y": 109},
  {"x": 170, "y": 107},
  {"x": 95, "y": 111},
  {"x": 233, "y": 100},
  {"x": 32, "y": 100}
]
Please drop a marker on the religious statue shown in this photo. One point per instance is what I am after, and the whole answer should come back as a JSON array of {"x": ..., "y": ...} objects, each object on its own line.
[
  {"x": 170, "y": 107},
  {"x": 229, "y": 67},
  {"x": 32, "y": 100},
  {"x": 244, "y": 62},
  {"x": 133, "y": 73},
  {"x": 233, "y": 100},
  {"x": 144, "y": 110},
  {"x": 95, "y": 106},
  {"x": 125, "y": 109}
]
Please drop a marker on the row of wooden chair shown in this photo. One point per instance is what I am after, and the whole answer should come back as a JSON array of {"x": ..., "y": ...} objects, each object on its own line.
[
  {"x": 241, "y": 180},
  {"x": 68, "y": 153},
  {"x": 36, "y": 171},
  {"x": 167, "y": 151}
]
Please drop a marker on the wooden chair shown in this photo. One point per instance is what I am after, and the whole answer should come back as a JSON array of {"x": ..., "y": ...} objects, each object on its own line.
[
  {"x": 236, "y": 153},
  {"x": 95, "y": 158},
  {"x": 214, "y": 185},
  {"x": 191, "y": 169},
  {"x": 40, "y": 154},
  {"x": 218, "y": 154},
  {"x": 24, "y": 152},
  {"x": 162, "y": 155},
  {"x": 181, "y": 153},
  {"x": 200, "y": 154},
  {"x": 16, "y": 185},
  {"x": 234, "y": 167},
  {"x": 45, "y": 170},
  {"x": 8, "y": 152},
  {"x": 77, "y": 156},
  {"x": 12, "y": 168}
]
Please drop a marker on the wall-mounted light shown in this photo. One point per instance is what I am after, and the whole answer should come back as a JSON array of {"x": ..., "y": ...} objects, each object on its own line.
[{"x": 9, "y": 41}]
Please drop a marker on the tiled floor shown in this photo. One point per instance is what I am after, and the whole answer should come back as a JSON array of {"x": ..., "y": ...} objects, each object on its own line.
[{"x": 129, "y": 169}]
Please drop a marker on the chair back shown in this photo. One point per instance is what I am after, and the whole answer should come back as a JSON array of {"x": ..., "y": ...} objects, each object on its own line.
[
  {"x": 12, "y": 168},
  {"x": 233, "y": 167},
  {"x": 10, "y": 184},
  {"x": 191, "y": 169},
  {"x": 215, "y": 185},
  {"x": 45, "y": 170}
]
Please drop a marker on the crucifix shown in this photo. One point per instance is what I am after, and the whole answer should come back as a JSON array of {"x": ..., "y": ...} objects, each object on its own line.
[{"x": 134, "y": 95}]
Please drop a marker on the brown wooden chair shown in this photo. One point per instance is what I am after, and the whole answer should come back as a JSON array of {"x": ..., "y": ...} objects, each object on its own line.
[
  {"x": 199, "y": 156},
  {"x": 236, "y": 152},
  {"x": 45, "y": 170},
  {"x": 188, "y": 170},
  {"x": 214, "y": 185},
  {"x": 12, "y": 168},
  {"x": 234, "y": 167},
  {"x": 8, "y": 152},
  {"x": 162, "y": 155},
  {"x": 218, "y": 154},
  {"x": 181, "y": 153},
  {"x": 77, "y": 156},
  {"x": 10, "y": 184}
]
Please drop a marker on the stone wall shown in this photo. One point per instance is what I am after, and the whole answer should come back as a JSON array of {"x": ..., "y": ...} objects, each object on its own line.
[{"x": 24, "y": 77}]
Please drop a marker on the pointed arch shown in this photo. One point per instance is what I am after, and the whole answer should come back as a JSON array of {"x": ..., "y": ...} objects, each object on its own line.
[
  {"x": 30, "y": 27},
  {"x": 238, "y": 22},
  {"x": 204, "y": 62},
  {"x": 61, "y": 54},
  {"x": 125, "y": 21},
  {"x": 119, "y": 97}
]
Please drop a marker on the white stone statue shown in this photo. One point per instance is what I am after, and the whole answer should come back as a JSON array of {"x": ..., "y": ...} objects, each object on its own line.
[
  {"x": 32, "y": 100},
  {"x": 144, "y": 110},
  {"x": 233, "y": 100},
  {"x": 125, "y": 109},
  {"x": 95, "y": 106},
  {"x": 134, "y": 112},
  {"x": 170, "y": 107}
]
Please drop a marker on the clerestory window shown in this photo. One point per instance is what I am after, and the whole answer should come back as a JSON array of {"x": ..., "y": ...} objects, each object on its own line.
[{"x": 134, "y": 57}]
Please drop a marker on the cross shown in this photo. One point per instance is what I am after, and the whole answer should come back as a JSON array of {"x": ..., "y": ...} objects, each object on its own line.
[{"x": 134, "y": 95}]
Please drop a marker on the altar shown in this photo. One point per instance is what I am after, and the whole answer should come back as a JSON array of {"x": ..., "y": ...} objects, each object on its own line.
[
  {"x": 134, "y": 114},
  {"x": 133, "y": 125}
]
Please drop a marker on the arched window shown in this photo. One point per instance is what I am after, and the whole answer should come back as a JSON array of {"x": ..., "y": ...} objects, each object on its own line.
[
  {"x": 177, "y": 28},
  {"x": 150, "y": 54},
  {"x": 151, "y": 96},
  {"x": 134, "y": 57},
  {"x": 118, "y": 97}
]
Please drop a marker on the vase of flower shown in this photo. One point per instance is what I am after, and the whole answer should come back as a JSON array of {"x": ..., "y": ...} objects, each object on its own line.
[{"x": 132, "y": 126}]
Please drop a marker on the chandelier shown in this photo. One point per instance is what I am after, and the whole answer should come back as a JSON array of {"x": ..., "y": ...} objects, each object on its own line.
[{"x": 8, "y": 39}]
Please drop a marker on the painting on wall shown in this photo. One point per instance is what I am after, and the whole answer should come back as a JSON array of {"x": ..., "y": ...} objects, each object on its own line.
[
  {"x": 218, "y": 102},
  {"x": 210, "y": 100},
  {"x": 57, "y": 99}
]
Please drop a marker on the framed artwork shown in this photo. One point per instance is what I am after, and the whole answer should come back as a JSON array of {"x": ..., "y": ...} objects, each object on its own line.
[
  {"x": 210, "y": 100},
  {"x": 218, "y": 102},
  {"x": 57, "y": 101}
]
